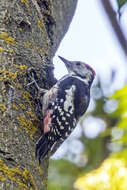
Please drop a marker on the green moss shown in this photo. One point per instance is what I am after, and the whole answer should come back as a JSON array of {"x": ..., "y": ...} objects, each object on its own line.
[
  {"x": 11, "y": 76},
  {"x": 22, "y": 106},
  {"x": 11, "y": 51},
  {"x": 32, "y": 115},
  {"x": 40, "y": 24},
  {"x": 1, "y": 49},
  {"x": 22, "y": 68},
  {"x": 27, "y": 125},
  {"x": 28, "y": 98},
  {"x": 8, "y": 39},
  {"x": 26, "y": 2},
  {"x": 39, "y": 169},
  {"x": 15, "y": 107},
  {"x": 23, "y": 178},
  {"x": 7, "y": 75},
  {"x": 2, "y": 178},
  {"x": 3, "y": 107},
  {"x": 28, "y": 44}
]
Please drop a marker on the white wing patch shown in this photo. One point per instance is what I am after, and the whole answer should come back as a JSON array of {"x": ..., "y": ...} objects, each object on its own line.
[{"x": 69, "y": 99}]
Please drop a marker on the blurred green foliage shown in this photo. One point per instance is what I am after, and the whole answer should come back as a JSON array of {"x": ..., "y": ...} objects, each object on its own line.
[
  {"x": 62, "y": 174},
  {"x": 121, "y": 2},
  {"x": 121, "y": 113},
  {"x": 112, "y": 174}
]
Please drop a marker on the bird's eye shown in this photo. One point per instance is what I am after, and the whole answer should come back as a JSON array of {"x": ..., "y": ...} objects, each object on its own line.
[{"x": 78, "y": 63}]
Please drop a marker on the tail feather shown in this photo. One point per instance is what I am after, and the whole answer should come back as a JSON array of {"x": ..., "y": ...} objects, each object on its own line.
[{"x": 42, "y": 147}]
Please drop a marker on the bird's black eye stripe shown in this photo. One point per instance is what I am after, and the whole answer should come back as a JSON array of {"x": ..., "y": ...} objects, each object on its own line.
[{"x": 78, "y": 63}]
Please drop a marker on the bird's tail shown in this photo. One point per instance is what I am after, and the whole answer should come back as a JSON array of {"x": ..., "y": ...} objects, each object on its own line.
[{"x": 42, "y": 147}]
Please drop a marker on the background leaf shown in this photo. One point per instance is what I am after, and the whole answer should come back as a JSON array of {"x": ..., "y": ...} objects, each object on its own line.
[{"x": 121, "y": 3}]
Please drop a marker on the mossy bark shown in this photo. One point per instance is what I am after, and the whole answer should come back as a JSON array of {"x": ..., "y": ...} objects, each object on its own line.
[{"x": 30, "y": 33}]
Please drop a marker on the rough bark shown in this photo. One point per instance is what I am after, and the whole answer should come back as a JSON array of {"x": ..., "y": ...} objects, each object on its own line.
[{"x": 30, "y": 33}]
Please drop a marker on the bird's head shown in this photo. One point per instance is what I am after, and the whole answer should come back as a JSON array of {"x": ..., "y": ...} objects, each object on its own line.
[{"x": 79, "y": 68}]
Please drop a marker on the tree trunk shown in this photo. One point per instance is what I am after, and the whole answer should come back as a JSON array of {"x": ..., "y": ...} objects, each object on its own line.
[{"x": 30, "y": 33}]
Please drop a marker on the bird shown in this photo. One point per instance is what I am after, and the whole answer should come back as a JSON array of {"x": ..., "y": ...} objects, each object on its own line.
[{"x": 63, "y": 106}]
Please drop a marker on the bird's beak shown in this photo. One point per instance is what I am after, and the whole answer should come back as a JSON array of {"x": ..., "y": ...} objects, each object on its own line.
[{"x": 67, "y": 63}]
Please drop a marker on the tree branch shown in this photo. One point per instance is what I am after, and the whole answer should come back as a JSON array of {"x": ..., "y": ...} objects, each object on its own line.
[{"x": 115, "y": 25}]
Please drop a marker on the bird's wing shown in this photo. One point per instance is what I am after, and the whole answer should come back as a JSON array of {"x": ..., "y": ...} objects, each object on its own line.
[{"x": 59, "y": 108}]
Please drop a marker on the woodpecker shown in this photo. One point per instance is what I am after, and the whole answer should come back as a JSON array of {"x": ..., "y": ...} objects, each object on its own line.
[{"x": 63, "y": 105}]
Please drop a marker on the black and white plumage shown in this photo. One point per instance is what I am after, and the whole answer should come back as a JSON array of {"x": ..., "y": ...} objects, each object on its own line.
[{"x": 63, "y": 105}]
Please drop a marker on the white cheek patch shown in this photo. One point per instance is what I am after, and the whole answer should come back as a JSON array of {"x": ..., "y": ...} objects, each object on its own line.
[
  {"x": 69, "y": 99},
  {"x": 85, "y": 80}
]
